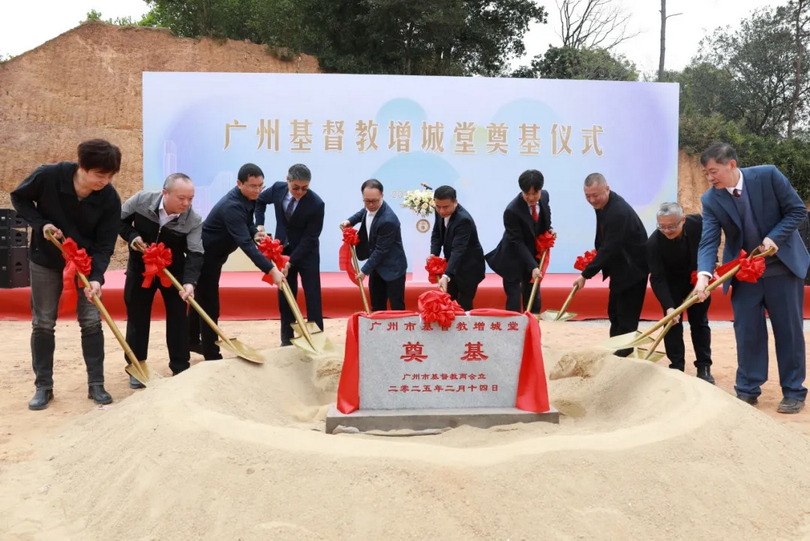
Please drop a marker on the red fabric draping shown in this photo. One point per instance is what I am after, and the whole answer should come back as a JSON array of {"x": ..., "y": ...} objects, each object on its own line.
[
  {"x": 345, "y": 259},
  {"x": 436, "y": 306},
  {"x": 156, "y": 257},
  {"x": 532, "y": 391}
]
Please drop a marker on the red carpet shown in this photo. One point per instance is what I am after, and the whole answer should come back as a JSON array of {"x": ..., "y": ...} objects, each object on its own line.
[{"x": 244, "y": 296}]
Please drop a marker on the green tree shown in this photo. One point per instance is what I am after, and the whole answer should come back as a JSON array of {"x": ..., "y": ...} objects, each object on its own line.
[{"x": 571, "y": 63}]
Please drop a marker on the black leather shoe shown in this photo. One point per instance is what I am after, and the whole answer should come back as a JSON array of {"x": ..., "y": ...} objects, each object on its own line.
[
  {"x": 99, "y": 395},
  {"x": 135, "y": 384},
  {"x": 705, "y": 373},
  {"x": 748, "y": 399},
  {"x": 790, "y": 405},
  {"x": 41, "y": 399}
]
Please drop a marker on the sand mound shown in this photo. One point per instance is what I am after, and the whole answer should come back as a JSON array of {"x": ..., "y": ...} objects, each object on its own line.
[{"x": 230, "y": 450}]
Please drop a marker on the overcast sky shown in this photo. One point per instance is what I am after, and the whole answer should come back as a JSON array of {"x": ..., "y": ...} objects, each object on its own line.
[{"x": 26, "y": 24}]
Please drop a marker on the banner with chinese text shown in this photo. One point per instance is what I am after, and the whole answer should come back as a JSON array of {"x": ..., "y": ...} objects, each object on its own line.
[{"x": 476, "y": 134}]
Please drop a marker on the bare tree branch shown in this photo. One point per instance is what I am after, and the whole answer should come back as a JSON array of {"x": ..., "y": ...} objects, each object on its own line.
[{"x": 593, "y": 23}]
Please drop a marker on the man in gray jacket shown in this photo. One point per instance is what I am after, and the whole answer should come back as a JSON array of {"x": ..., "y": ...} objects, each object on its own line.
[{"x": 162, "y": 217}]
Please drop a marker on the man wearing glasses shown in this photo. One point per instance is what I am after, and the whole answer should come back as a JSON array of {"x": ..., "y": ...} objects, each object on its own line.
[
  {"x": 672, "y": 256},
  {"x": 299, "y": 222},
  {"x": 228, "y": 226},
  {"x": 381, "y": 246}
]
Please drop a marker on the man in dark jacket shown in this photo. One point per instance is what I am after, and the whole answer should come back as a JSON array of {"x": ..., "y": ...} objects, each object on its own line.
[
  {"x": 515, "y": 258},
  {"x": 76, "y": 201},
  {"x": 672, "y": 256},
  {"x": 299, "y": 222},
  {"x": 621, "y": 255},
  {"x": 161, "y": 217},
  {"x": 804, "y": 233},
  {"x": 227, "y": 227},
  {"x": 381, "y": 245},
  {"x": 456, "y": 234}
]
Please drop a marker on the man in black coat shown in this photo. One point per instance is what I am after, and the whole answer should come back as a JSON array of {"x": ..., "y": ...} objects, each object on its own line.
[
  {"x": 165, "y": 217},
  {"x": 515, "y": 258},
  {"x": 299, "y": 222},
  {"x": 454, "y": 232},
  {"x": 73, "y": 200},
  {"x": 381, "y": 247},
  {"x": 621, "y": 255},
  {"x": 672, "y": 256},
  {"x": 227, "y": 227}
]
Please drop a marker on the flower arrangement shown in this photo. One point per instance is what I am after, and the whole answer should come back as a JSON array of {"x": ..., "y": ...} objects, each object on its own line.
[{"x": 420, "y": 201}]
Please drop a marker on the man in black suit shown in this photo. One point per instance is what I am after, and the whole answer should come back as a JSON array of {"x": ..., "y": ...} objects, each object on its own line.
[
  {"x": 455, "y": 232},
  {"x": 228, "y": 226},
  {"x": 381, "y": 246},
  {"x": 672, "y": 256},
  {"x": 621, "y": 255},
  {"x": 299, "y": 222},
  {"x": 515, "y": 258}
]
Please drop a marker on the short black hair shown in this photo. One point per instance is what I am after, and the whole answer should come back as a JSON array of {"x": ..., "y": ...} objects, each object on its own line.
[
  {"x": 100, "y": 155},
  {"x": 372, "y": 183},
  {"x": 531, "y": 178},
  {"x": 720, "y": 152},
  {"x": 445, "y": 192},
  {"x": 249, "y": 170},
  {"x": 300, "y": 172}
]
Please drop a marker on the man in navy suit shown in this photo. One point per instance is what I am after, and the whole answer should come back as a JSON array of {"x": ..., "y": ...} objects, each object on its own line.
[
  {"x": 515, "y": 258},
  {"x": 455, "y": 232},
  {"x": 756, "y": 207},
  {"x": 381, "y": 247},
  {"x": 299, "y": 222}
]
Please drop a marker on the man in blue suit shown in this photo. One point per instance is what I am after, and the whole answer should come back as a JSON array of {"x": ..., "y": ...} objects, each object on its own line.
[
  {"x": 756, "y": 207},
  {"x": 299, "y": 222},
  {"x": 381, "y": 246}
]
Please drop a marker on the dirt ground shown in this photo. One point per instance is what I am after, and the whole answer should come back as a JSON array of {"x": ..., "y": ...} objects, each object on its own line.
[{"x": 21, "y": 430}]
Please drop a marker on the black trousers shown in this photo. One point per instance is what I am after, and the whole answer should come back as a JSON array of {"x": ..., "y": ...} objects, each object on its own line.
[
  {"x": 311, "y": 281},
  {"x": 139, "y": 318},
  {"x": 698, "y": 317},
  {"x": 381, "y": 292},
  {"x": 515, "y": 288},
  {"x": 624, "y": 311},
  {"x": 207, "y": 296},
  {"x": 462, "y": 293}
]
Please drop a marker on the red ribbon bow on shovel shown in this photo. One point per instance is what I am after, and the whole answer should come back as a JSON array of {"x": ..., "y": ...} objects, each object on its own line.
[
  {"x": 76, "y": 260},
  {"x": 272, "y": 248},
  {"x": 350, "y": 238},
  {"x": 584, "y": 260},
  {"x": 541, "y": 244},
  {"x": 435, "y": 268},
  {"x": 156, "y": 257}
]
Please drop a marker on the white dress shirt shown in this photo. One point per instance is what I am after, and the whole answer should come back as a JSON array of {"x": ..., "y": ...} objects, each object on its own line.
[
  {"x": 369, "y": 218},
  {"x": 165, "y": 217}
]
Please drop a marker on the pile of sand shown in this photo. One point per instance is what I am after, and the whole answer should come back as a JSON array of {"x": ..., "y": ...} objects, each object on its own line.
[{"x": 229, "y": 450}]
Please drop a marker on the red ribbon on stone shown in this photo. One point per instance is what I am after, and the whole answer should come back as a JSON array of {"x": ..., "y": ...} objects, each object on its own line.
[
  {"x": 156, "y": 257},
  {"x": 350, "y": 238},
  {"x": 435, "y": 268},
  {"x": 76, "y": 260},
  {"x": 435, "y": 305},
  {"x": 584, "y": 260}
]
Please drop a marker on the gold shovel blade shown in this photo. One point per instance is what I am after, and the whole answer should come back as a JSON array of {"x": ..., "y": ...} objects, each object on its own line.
[
  {"x": 243, "y": 351},
  {"x": 143, "y": 377},
  {"x": 318, "y": 345},
  {"x": 311, "y": 327},
  {"x": 556, "y": 315},
  {"x": 624, "y": 341},
  {"x": 654, "y": 357}
]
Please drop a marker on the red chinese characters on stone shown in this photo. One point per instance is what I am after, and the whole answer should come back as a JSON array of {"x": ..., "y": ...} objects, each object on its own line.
[
  {"x": 413, "y": 352},
  {"x": 410, "y": 326},
  {"x": 393, "y": 326},
  {"x": 474, "y": 352},
  {"x": 513, "y": 326}
]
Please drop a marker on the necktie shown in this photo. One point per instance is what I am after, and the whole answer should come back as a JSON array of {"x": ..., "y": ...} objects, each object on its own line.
[
  {"x": 290, "y": 208},
  {"x": 736, "y": 192},
  {"x": 535, "y": 217}
]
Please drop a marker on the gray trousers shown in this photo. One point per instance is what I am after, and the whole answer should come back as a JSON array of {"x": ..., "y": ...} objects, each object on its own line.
[{"x": 46, "y": 289}]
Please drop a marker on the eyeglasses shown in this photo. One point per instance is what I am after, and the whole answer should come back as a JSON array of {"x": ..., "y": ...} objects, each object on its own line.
[
  {"x": 668, "y": 227},
  {"x": 371, "y": 201}
]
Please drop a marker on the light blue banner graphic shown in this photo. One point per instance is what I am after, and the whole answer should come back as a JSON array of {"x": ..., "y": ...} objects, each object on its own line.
[{"x": 475, "y": 134}]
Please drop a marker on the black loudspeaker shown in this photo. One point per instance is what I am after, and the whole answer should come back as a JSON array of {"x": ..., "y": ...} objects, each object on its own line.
[
  {"x": 13, "y": 238},
  {"x": 14, "y": 267},
  {"x": 9, "y": 219}
]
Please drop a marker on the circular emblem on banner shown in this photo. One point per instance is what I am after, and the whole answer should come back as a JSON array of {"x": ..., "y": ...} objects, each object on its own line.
[{"x": 422, "y": 225}]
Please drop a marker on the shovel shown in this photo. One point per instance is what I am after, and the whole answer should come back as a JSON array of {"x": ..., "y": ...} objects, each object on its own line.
[
  {"x": 359, "y": 282},
  {"x": 636, "y": 338},
  {"x": 650, "y": 354},
  {"x": 137, "y": 369},
  {"x": 536, "y": 283},
  {"x": 561, "y": 315},
  {"x": 311, "y": 338},
  {"x": 243, "y": 351}
]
